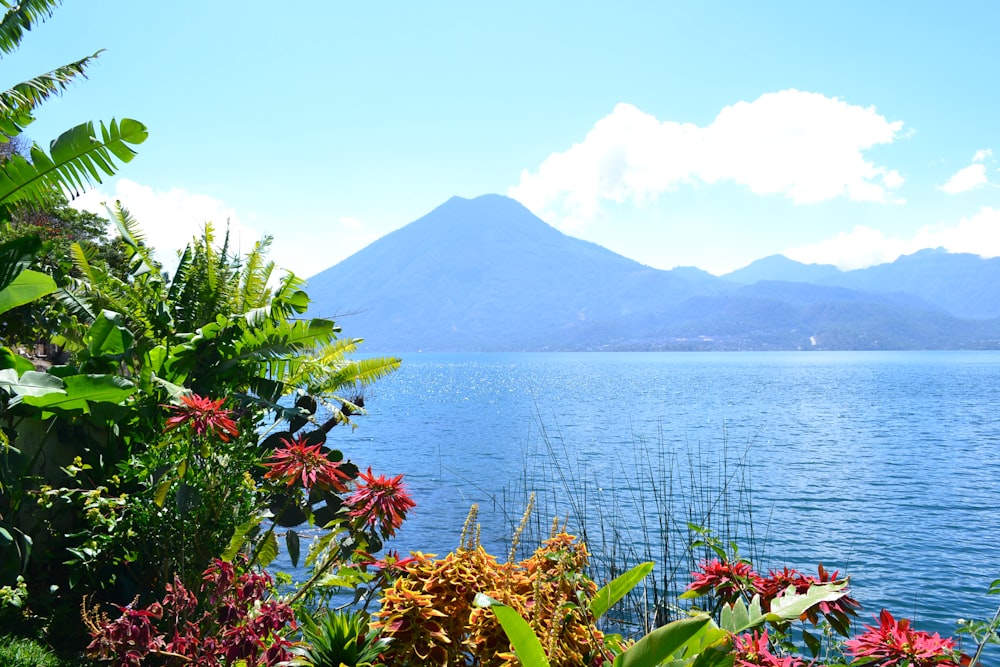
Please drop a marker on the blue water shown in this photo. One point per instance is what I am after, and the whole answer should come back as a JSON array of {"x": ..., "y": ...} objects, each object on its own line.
[{"x": 882, "y": 465}]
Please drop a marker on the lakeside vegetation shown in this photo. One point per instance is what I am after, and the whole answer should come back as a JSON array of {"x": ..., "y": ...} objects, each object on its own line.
[{"x": 162, "y": 442}]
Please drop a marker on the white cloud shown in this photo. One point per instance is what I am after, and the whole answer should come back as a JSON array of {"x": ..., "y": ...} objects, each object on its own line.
[
  {"x": 966, "y": 179},
  {"x": 354, "y": 224},
  {"x": 864, "y": 246},
  {"x": 970, "y": 177},
  {"x": 169, "y": 219},
  {"x": 861, "y": 247},
  {"x": 804, "y": 146}
]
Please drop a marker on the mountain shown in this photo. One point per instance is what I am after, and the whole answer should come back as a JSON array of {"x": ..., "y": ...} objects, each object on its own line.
[
  {"x": 779, "y": 267},
  {"x": 963, "y": 285},
  {"x": 485, "y": 274}
]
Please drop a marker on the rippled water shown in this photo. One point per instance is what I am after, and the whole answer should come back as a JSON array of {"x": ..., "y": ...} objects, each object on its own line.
[{"x": 883, "y": 465}]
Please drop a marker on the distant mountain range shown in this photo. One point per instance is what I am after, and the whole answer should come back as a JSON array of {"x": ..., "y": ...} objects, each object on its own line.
[{"x": 485, "y": 274}]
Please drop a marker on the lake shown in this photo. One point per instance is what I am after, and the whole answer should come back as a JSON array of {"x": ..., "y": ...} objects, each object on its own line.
[{"x": 884, "y": 466}]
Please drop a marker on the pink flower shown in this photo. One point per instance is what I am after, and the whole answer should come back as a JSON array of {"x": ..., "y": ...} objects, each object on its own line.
[
  {"x": 895, "y": 644},
  {"x": 204, "y": 415},
  {"x": 298, "y": 461},
  {"x": 753, "y": 650},
  {"x": 380, "y": 500}
]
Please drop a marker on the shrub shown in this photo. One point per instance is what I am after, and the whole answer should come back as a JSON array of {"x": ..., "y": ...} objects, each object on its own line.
[{"x": 430, "y": 617}]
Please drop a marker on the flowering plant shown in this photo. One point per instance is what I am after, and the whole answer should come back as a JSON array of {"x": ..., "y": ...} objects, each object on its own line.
[{"x": 237, "y": 620}]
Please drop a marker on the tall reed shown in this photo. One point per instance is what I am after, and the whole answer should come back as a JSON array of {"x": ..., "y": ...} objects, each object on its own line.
[{"x": 649, "y": 503}]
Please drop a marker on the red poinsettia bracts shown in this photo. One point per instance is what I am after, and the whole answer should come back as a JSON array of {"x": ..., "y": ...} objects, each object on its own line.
[
  {"x": 300, "y": 462},
  {"x": 754, "y": 650},
  {"x": 838, "y": 612},
  {"x": 894, "y": 644},
  {"x": 392, "y": 562},
  {"x": 204, "y": 415},
  {"x": 726, "y": 579},
  {"x": 380, "y": 500}
]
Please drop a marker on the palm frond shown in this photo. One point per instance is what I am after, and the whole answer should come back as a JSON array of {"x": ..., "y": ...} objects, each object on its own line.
[
  {"x": 78, "y": 158},
  {"x": 180, "y": 278},
  {"x": 140, "y": 258},
  {"x": 18, "y": 103},
  {"x": 255, "y": 276},
  {"x": 354, "y": 373},
  {"x": 20, "y": 17}
]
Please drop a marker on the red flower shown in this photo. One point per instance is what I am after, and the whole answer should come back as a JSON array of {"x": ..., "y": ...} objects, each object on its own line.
[
  {"x": 205, "y": 416},
  {"x": 298, "y": 461},
  {"x": 380, "y": 500},
  {"x": 895, "y": 644},
  {"x": 753, "y": 650},
  {"x": 836, "y": 612},
  {"x": 726, "y": 579},
  {"x": 392, "y": 563}
]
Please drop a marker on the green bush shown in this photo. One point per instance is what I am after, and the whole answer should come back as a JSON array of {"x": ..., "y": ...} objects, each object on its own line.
[{"x": 21, "y": 652}]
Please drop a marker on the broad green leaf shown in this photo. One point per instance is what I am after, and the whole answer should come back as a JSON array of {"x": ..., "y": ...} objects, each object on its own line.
[
  {"x": 17, "y": 255},
  {"x": 663, "y": 643},
  {"x": 160, "y": 495},
  {"x": 239, "y": 538},
  {"x": 618, "y": 588},
  {"x": 526, "y": 645},
  {"x": 82, "y": 390},
  {"x": 791, "y": 605},
  {"x": 78, "y": 159},
  {"x": 268, "y": 550},
  {"x": 107, "y": 336},
  {"x": 26, "y": 287},
  {"x": 32, "y": 383},
  {"x": 8, "y": 359},
  {"x": 737, "y": 617},
  {"x": 812, "y": 642},
  {"x": 299, "y": 301},
  {"x": 294, "y": 547},
  {"x": 175, "y": 391}
]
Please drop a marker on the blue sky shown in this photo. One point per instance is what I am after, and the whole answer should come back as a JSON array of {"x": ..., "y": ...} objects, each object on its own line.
[{"x": 701, "y": 134}]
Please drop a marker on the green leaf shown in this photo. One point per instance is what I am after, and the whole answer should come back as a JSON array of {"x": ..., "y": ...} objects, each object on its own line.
[
  {"x": 14, "y": 361},
  {"x": 17, "y": 255},
  {"x": 239, "y": 538},
  {"x": 107, "y": 336},
  {"x": 162, "y": 489},
  {"x": 738, "y": 617},
  {"x": 294, "y": 547},
  {"x": 526, "y": 645},
  {"x": 812, "y": 642},
  {"x": 618, "y": 588},
  {"x": 33, "y": 383},
  {"x": 664, "y": 642},
  {"x": 28, "y": 286},
  {"x": 78, "y": 158},
  {"x": 20, "y": 18},
  {"x": 791, "y": 605},
  {"x": 82, "y": 390},
  {"x": 268, "y": 550}
]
